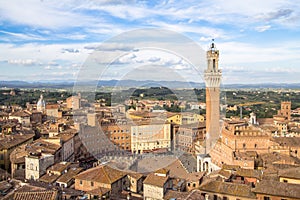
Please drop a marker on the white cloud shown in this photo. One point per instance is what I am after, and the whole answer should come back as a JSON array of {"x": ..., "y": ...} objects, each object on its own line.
[
  {"x": 233, "y": 53},
  {"x": 48, "y": 67},
  {"x": 23, "y": 62},
  {"x": 50, "y": 25},
  {"x": 10, "y": 36},
  {"x": 262, "y": 28},
  {"x": 205, "y": 39},
  {"x": 43, "y": 53},
  {"x": 48, "y": 14},
  {"x": 70, "y": 50}
]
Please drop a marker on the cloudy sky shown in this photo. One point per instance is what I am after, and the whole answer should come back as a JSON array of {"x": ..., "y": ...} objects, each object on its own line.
[{"x": 259, "y": 41}]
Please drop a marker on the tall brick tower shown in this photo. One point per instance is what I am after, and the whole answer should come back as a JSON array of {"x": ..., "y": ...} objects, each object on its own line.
[
  {"x": 286, "y": 109},
  {"x": 212, "y": 76}
]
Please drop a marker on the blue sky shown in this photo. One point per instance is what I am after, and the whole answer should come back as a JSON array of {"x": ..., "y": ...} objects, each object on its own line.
[{"x": 259, "y": 41}]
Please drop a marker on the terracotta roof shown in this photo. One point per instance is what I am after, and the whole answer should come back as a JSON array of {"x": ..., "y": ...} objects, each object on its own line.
[
  {"x": 40, "y": 145},
  {"x": 65, "y": 178},
  {"x": 38, "y": 195},
  {"x": 65, "y": 136},
  {"x": 224, "y": 173},
  {"x": 136, "y": 176},
  {"x": 18, "y": 154},
  {"x": 272, "y": 158},
  {"x": 177, "y": 170},
  {"x": 49, "y": 178},
  {"x": 44, "y": 146},
  {"x": 251, "y": 173},
  {"x": 291, "y": 173},
  {"x": 59, "y": 167},
  {"x": 20, "y": 114},
  {"x": 162, "y": 171},
  {"x": 155, "y": 180},
  {"x": 276, "y": 188},
  {"x": 14, "y": 140},
  {"x": 101, "y": 174},
  {"x": 195, "y": 176},
  {"x": 234, "y": 189}
]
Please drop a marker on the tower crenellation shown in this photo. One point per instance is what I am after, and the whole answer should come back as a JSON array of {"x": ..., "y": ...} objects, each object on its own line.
[{"x": 212, "y": 74}]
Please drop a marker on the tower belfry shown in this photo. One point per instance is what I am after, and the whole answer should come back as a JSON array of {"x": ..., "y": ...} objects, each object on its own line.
[{"x": 212, "y": 76}]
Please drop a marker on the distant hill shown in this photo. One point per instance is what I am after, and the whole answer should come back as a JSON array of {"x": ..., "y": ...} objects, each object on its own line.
[
  {"x": 134, "y": 83},
  {"x": 107, "y": 83}
]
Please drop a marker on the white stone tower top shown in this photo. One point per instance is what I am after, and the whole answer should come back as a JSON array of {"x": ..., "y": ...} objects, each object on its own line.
[{"x": 212, "y": 74}]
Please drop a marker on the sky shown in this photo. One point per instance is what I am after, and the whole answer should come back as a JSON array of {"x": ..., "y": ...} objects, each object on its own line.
[{"x": 41, "y": 40}]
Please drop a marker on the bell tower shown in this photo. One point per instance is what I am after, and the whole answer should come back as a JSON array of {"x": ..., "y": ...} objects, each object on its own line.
[{"x": 212, "y": 76}]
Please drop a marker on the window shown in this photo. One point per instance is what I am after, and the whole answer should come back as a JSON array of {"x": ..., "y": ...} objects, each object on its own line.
[
  {"x": 255, "y": 145},
  {"x": 80, "y": 182},
  {"x": 285, "y": 181},
  {"x": 214, "y": 64},
  {"x": 266, "y": 198},
  {"x": 244, "y": 145},
  {"x": 225, "y": 198},
  {"x": 92, "y": 184},
  {"x": 194, "y": 184}
]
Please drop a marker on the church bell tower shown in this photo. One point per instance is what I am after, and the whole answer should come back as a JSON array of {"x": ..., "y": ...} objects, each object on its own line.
[{"x": 212, "y": 76}]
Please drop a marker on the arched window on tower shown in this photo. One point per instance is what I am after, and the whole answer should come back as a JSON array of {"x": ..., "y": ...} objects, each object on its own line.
[{"x": 214, "y": 64}]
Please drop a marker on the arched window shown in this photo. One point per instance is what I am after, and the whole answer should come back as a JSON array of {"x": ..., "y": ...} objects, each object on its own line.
[{"x": 214, "y": 64}]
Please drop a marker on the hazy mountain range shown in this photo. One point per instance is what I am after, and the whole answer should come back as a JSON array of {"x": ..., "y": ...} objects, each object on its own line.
[{"x": 134, "y": 83}]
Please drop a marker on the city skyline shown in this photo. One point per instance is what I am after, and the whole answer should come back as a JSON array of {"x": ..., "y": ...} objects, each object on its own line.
[{"x": 44, "y": 40}]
